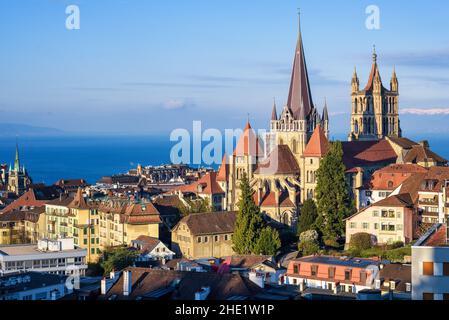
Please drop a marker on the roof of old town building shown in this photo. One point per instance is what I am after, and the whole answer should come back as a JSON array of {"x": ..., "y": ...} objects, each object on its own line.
[
  {"x": 146, "y": 281},
  {"x": 210, "y": 222},
  {"x": 140, "y": 213},
  {"x": 36, "y": 196},
  {"x": 63, "y": 200},
  {"x": 23, "y": 214},
  {"x": 318, "y": 144},
  {"x": 392, "y": 176},
  {"x": 403, "y": 200},
  {"x": 280, "y": 161},
  {"x": 367, "y": 153},
  {"x": 401, "y": 274},
  {"x": 269, "y": 200},
  {"x": 419, "y": 153},
  {"x": 245, "y": 261},
  {"x": 207, "y": 184},
  {"x": 79, "y": 202},
  {"x": 146, "y": 243}
]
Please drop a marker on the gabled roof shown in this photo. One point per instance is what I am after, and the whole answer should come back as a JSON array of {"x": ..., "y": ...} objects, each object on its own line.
[
  {"x": 419, "y": 153},
  {"x": 269, "y": 200},
  {"x": 299, "y": 96},
  {"x": 280, "y": 161},
  {"x": 206, "y": 185},
  {"x": 78, "y": 201},
  {"x": 373, "y": 75},
  {"x": 392, "y": 176},
  {"x": 35, "y": 196},
  {"x": 146, "y": 243},
  {"x": 367, "y": 153},
  {"x": 210, "y": 222},
  {"x": 140, "y": 213},
  {"x": 318, "y": 144}
]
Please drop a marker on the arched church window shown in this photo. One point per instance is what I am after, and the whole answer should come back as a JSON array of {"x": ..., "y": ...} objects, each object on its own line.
[
  {"x": 355, "y": 105},
  {"x": 356, "y": 126}
]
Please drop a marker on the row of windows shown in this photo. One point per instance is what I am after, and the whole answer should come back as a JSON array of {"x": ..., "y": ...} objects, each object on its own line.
[
  {"x": 330, "y": 272},
  {"x": 387, "y": 214},
  {"x": 216, "y": 238},
  {"x": 383, "y": 226},
  {"x": 429, "y": 269}
]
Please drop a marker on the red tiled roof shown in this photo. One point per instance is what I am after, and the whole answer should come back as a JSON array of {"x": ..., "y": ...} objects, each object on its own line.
[
  {"x": 210, "y": 222},
  {"x": 269, "y": 200},
  {"x": 206, "y": 185},
  {"x": 318, "y": 144},
  {"x": 418, "y": 153},
  {"x": 367, "y": 153},
  {"x": 280, "y": 161},
  {"x": 392, "y": 176},
  {"x": 79, "y": 202}
]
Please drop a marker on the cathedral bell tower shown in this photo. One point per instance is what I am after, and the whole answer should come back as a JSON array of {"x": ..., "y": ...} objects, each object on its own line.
[{"x": 375, "y": 109}]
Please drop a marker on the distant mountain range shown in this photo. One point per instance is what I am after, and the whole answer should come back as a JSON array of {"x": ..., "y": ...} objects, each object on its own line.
[{"x": 17, "y": 129}]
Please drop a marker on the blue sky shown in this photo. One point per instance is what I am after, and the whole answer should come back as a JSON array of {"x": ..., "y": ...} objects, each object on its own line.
[{"x": 148, "y": 66}]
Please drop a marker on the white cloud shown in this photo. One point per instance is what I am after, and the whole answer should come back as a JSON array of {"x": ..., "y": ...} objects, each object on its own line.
[
  {"x": 174, "y": 104},
  {"x": 428, "y": 112}
]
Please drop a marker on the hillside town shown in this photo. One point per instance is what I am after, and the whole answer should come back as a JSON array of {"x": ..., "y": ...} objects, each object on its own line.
[{"x": 292, "y": 216}]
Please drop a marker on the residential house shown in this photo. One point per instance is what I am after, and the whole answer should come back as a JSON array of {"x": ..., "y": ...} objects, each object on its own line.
[
  {"x": 204, "y": 235},
  {"x": 389, "y": 220},
  {"x": 152, "y": 249},
  {"x": 395, "y": 281},
  {"x": 24, "y": 225},
  {"x": 334, "y": 274}
]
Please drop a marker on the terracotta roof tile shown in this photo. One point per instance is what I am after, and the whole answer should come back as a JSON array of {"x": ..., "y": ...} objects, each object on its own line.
[
  {"x": 210, "y": 222},
  {"x": 318, "y": 144},
  {"x": 280, "y": 161}
]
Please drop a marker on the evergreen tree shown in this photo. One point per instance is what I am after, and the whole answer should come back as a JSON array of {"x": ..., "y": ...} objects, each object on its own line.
[
  {"x": 268, "y": 242},
  {"x": 333, "y": 200},
  {"x": 249, "y": 221},
  {"x": 308, "y": 216}
]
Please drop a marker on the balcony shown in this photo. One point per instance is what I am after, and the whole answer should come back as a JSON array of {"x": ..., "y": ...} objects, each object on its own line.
[{"x": 431, "y": 202}]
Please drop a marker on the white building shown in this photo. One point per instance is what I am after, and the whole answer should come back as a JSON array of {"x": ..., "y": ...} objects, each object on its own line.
[
  {"x": 51, "y": 256},
  {"x": 33, "y": 286},
  {"x": 430, "y": 265},
  {"x": 152, "y": 249}
]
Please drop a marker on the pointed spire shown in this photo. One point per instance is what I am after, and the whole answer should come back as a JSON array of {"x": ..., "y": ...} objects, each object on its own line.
[
  {"x": 299, "y": 97},
  {"x": 325, "y": 116},
  {"x": 374, "y": 54},
  {"x": 274, "y": 115},
  {"x": 318, "y": 144},
  {"x": 17, "y": 159}
]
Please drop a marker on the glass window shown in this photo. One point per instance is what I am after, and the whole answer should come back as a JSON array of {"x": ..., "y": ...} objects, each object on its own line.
[
  {"x": 427, "y": 268},
  {"x": 427, "y": 296},
  {"x": 348, "y": 275}
]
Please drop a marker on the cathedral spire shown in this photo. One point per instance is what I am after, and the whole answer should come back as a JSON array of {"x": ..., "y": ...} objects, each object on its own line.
[
  {"x": 17, "y": 160},
  {"x": 299, "y": 97},
  {"x": 274, "y": 115},
  {"x": 325, "y": 116}
]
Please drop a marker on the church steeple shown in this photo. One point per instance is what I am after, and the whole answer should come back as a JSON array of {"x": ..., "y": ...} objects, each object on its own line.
[
  {"x": 299, "y": 97},
  {"x": 355, "y": 81},
  {"x": 274, "y": 115},
  {"x": 17, "y": 160},
  {"x": 394, "y": 85}
]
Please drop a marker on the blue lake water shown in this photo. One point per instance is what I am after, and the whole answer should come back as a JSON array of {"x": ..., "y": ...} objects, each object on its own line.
[{"x": 48, "y": 159}]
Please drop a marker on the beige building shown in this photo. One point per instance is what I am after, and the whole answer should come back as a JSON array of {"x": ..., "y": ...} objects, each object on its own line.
[
  {"x": 204, "y": 235},
  {"x": 21, "y": 226},
  {"x": 389, "y": 220}
]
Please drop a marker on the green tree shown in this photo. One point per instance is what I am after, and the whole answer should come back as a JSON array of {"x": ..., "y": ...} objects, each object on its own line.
[
  {"x": 360, "y": 241},
  {"x": 268, "y": 242},
  {"x": 118, "y": 259},
  {"x": 308, "y": 216},
  {"x": 249, "y": 221},
  {"x": 333, "y": 201},
  {"x": 195, "y": 206}
]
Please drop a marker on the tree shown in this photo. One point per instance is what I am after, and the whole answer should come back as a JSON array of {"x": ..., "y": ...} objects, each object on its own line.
[
  {"x": 360, "y": 241},
  {"x": 308, "y": 216},
  {"x": 268, "y": 242},
  {"x": 333, "y": 201},
  {"x": 249, "y": 221},
  {"x": 118, "y": 259},
  {"x": 195, "y": 206},
  {"x": 308, "y": 242}
]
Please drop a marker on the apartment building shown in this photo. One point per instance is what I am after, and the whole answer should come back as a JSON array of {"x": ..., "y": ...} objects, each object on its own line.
[
  {"x": 204, "y": 235},
  {"x": 334, "y": 274},
  {"x": 76, "y": 218},
  {"x": 389, "y": 220},
  {"x": 24, "y": 225},
  {"x": 121, "y": 222},
  {"x": 430, "y": 265},
  {"x": 51, "y": 256}
]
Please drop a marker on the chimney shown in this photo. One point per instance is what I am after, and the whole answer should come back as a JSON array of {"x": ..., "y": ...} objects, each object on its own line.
[
  {"x": 127, "y": 283},
  {"x": 424, "y": 144},
  {"x": 257, "y": 278},
  {"x": 104, "y": 288},
  {"x": 202, "y": 293},
  {"x": 112, "y": 274}
]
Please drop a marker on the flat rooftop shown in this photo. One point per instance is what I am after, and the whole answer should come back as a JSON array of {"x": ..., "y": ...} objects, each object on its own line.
[
  {"x": 339, "y": 261},
  {"x": 28, "y": 249}
]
